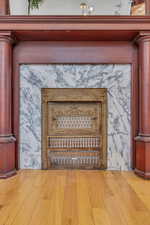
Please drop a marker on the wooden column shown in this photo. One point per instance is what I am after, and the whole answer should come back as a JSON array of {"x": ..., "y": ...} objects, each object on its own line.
[
  {"x": 4, "y": 7},
  {"x": 142, "y": 166},
  {"x": 7, "y": 141}
]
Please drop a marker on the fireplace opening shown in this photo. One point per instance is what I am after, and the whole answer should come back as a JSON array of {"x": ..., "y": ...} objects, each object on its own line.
[{"x": 74, "y": 130}]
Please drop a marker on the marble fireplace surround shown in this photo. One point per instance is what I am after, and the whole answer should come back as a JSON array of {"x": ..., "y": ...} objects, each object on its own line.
[{"x": 116, "y": 78}]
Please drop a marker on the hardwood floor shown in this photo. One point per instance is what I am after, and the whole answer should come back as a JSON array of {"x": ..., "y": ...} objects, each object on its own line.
[{"x": 74, "y": 198}]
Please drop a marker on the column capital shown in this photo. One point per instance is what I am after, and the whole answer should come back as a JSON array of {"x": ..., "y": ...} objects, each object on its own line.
[
  {"x": 143, "y": 36},
  {"x": 7, "y": 36}
]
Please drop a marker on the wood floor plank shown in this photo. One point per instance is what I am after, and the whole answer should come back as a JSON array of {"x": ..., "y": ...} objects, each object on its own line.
[
  {"x": 69, "y": 213},
  {"x": 74, "y": 197},
  {"x": 83, "y": 200},
  {"x": 26, "y": 212},
  {"x": 44, "y": 200},
  {"x": 126, "y": 200},
  {"x": 21, "y": 188},
  {"x": 141, "y": 188},
  {"x": 101, "y": 216}
]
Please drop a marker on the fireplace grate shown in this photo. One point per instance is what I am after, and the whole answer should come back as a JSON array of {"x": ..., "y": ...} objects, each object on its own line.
[
  {"x": 75, "y": 159},
  {"x": 74, "y": 152}
]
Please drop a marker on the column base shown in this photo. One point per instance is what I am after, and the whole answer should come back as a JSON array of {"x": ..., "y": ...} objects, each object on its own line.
[
  {"x": 7, "y": 157},
  {"x": 8, "y": 174},
  {"x": 142, "y": 174},
  {"x": 142, "y": 157}
]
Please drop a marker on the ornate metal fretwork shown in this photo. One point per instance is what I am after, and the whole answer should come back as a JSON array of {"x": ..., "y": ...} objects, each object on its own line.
[
  {"x": 74, "y": 159},
  {"x": 74, "y": 122},
  {"x": 73, "y": 117},
  {"x": 58, "y": 142},
  {"x": 74, "y": 152}
]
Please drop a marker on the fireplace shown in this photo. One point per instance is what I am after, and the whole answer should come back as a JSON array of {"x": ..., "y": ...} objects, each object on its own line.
[
  {"x": 74, "y": 128},
  {"x": 75, "y": 40}
]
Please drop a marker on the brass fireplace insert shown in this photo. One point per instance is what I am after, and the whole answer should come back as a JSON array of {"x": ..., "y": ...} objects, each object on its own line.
[{"x": 74, "y": 128}]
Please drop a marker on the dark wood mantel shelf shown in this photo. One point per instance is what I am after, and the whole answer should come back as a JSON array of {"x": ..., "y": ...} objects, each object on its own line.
[
  {"x": 114, "y": 28},
  {"x": 74, "y": 39}
]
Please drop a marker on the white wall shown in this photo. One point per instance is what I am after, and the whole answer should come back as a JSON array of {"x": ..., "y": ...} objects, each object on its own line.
[{"x": 72, "y": 7}]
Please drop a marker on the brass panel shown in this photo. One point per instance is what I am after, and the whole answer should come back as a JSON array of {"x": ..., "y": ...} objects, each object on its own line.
[
  {"x": 73, "y": 94},
  {"x": 74, "y": 131}
]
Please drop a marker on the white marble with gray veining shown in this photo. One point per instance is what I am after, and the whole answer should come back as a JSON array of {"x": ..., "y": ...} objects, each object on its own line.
[{"x": 116, "y": 78}]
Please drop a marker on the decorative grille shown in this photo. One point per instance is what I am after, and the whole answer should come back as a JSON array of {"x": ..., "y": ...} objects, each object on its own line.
[
  {"x": 74, "y": 122},
  {"x": 73, "y": 142},
  {"x": 75, "y": 159},
  {"x": 74, "y": 152}
]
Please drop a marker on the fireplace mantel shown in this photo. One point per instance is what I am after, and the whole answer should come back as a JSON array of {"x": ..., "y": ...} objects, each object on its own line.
[
  {"x": 74, "y": 39},
  {"x": 89, "y": 28}
]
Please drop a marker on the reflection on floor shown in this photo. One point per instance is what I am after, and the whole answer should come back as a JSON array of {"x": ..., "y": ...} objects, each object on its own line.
[{"x": 74, "y": 197}]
